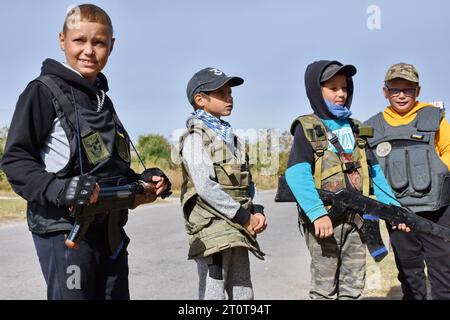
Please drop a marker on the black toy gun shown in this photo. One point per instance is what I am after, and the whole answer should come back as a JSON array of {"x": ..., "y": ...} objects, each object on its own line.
[
  {"x": 110, "y": 199},
  {"x": 344, "y": 200}
]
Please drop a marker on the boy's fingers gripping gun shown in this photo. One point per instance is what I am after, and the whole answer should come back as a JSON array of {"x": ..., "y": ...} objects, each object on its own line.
[
  {"x": 147, "y": 175},
  {"x": 110, "y": 199},
  {"x": 343, "y": 200}
]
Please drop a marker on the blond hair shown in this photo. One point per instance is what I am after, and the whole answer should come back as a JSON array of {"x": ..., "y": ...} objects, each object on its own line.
[{"x": 87, "y": 13}]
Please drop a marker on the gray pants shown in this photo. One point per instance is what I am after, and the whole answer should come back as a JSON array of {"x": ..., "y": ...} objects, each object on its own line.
[
  {"x": 225, "y": 275},
  {"x": 337, "y": 263}
]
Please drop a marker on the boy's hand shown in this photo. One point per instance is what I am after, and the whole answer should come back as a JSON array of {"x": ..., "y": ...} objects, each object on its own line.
[
  {"x": 159, "y": 178},
  {"x": 251, "y": 224},
  {"x": 79, "y": 191},
  {"x": 95, "y": 193},
  {"x": 158, "y": 184},
  {"x": 262, "y": 223},
  {"x": 402, "y": 227},
  {"x": 323, "y": 227},
  {"x": 150, "y": 192}
]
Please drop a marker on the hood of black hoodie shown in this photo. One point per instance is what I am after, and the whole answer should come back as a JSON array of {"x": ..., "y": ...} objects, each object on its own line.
[
  {"x": 314, "y": 91},
  {"x": 53, "y": 67}
]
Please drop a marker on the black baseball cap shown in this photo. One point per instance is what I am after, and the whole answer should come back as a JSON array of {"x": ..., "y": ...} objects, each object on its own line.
[
  {"x": 209, "y": 79},
  {"x": 348, "y": 70}
]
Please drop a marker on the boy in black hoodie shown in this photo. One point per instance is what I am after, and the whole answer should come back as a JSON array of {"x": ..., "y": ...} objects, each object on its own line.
[
  {"x": 329, "y": 153},
  {"x": 63, "y": 144}
]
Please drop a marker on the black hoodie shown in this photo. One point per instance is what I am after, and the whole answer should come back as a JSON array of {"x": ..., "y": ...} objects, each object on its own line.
[
  {"x": 301, "y": 148},
  {"x": 314, "y": 91},
  {"x": 30, "y": 127}
]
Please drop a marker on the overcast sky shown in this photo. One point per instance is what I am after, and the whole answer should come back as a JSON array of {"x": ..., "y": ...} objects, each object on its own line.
[{"x": 160, "y": 44}]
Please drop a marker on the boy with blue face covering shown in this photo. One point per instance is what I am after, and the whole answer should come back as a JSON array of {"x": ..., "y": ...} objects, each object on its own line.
[{"x": 329, "y": 152}]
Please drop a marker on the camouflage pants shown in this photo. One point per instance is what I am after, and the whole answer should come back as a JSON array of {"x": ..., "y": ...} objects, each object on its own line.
[{"x": 337, "y": 263}]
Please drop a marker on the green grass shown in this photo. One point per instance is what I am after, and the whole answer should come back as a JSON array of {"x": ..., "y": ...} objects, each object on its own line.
[{"x": 12, "y": 209}]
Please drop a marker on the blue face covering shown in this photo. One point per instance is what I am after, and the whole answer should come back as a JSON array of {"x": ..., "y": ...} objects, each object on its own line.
[{"x": 340, "y": 112}]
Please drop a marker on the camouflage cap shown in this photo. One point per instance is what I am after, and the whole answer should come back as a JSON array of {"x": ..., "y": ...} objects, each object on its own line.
[{"x": 404, "y": 71}]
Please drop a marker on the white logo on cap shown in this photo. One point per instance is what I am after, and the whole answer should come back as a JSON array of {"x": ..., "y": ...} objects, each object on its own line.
[{"x": 217, "y": 72}]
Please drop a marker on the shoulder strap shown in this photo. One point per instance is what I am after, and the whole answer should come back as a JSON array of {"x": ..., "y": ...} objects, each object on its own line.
[
  {"x": 118, "y": 122},
  {"x": 315, "y": 132},
  {"x": 206, "y": 134},
  {"x": 429, "y": 119},
  {"x": 378, "y": 125},
  {"x": 64, "y": 107},
  {"x": 361, "y": 132}
]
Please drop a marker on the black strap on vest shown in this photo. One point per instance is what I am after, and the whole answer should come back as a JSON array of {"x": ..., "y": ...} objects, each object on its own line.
[
  {"x": 117, "y": 122},
  {"x": 64, "y": 107},
  {"x": 349, "y": 166},
  {"x": 429, "y": 119}
]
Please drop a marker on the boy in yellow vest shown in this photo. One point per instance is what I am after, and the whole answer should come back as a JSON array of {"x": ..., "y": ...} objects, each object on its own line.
[
  {"x": 221, "y": 210},
  {"x": 412, "y": 144}
]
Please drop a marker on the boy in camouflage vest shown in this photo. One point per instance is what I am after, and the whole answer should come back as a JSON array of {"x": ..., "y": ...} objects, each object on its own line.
[
  {"x": 329, "y": 152},
  {"x": 222, "y": 213}
]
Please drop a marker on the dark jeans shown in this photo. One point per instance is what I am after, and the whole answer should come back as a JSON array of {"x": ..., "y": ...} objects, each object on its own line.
[
  {"x": 412, "y": 250},
  {"x": 86, "y": 273}
]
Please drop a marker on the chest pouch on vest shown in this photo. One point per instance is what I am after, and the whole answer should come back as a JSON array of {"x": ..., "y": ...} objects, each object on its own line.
[
  {"x": 94, "y": 147},
  {"x": 231, "y": 174},
  {"x": 122, "y": 145},
  {"x": 419, "y": 166},
  {"x": 317, "y": 138},
  {"x": 406, "y": 166}
]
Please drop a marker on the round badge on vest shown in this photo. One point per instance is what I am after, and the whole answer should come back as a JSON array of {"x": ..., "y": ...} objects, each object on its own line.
[{"x": 383, "y": 149}]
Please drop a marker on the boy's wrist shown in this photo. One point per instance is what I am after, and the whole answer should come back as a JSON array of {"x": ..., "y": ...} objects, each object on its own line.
[
  {"x": 257, "y": 208},
  {"x": 316, "y": 213},
  {"x": 241, "y": 216}
]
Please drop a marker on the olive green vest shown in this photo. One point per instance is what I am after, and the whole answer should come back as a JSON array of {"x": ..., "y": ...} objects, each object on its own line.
[
  {"x": 210, "y": 231},
  {"x": 329, "y": 170}
]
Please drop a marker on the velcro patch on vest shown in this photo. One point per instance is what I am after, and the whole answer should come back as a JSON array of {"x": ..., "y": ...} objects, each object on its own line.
[
  {"x": 122, "y": 147},
  {"x": 365, "y": 132},
  {"x": 417, "y": 136},
  {"x": 95, "y": 148}
]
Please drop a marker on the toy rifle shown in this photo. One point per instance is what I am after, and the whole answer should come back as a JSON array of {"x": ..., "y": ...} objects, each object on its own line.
[
  {"x": 344, "y": 200},
  {"x": 110, "y": 199}
]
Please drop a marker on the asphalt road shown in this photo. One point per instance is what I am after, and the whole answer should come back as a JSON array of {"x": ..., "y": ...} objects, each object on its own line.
[{"x": 159, "y": 268}]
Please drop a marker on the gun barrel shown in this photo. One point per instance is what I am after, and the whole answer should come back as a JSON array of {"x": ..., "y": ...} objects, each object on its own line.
[{"x": 346, "y": 199}]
